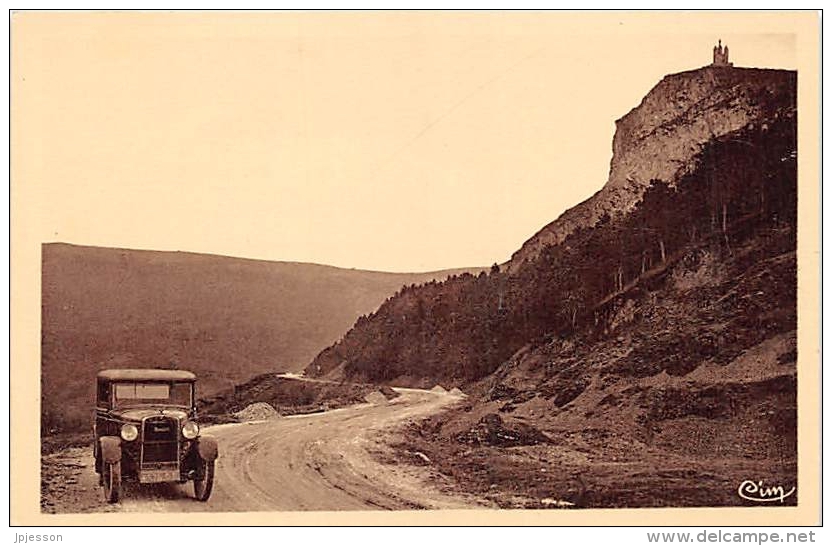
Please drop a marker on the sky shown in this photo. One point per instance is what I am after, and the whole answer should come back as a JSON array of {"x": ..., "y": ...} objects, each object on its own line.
[{"x": 384, "y": 141}]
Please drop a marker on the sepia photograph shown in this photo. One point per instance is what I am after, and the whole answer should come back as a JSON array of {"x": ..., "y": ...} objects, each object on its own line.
[{"x": 539, "y": 265}]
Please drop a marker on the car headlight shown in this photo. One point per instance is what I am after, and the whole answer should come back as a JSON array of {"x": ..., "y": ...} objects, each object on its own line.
[
  {"x": 190, "y": 430},
  {"x": 129, "y": 432}
]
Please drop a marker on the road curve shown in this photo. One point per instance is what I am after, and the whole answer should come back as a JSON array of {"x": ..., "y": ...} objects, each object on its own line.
[{"x": 325, "y": 461}]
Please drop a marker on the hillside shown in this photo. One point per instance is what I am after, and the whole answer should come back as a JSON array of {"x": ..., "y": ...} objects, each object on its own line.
[
  {"x": 227, "y": 319},
  {"x": 462, "y": 329},
  {"x": 643, "y": 346}
]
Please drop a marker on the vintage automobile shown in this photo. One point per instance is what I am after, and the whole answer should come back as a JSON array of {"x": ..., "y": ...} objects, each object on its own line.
[{"x": 146, "y": 431}]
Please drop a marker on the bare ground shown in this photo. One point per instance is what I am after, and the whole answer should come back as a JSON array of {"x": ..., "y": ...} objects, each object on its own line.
[{"x": 593, "y": 469}]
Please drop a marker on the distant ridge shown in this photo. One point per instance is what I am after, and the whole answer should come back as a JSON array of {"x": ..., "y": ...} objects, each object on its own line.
[
  {"x": 450, "y": 271},
  {"x": 227, "y": 319}
]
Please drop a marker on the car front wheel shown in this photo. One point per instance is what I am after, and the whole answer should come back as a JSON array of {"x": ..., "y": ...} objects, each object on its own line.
[
  {"x": 204, "y": 480},
  {"x": 112, "y": 481}
]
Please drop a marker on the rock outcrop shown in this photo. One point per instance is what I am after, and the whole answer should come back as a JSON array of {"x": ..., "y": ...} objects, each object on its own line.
[{"x": 661, "y": 138}]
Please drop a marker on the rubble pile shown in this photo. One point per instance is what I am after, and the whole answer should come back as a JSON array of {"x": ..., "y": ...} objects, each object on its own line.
[{"x": 259, "y": 411}]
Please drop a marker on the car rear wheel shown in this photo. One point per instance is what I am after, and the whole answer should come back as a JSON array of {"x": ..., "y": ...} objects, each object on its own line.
[
  {"x": 112, "y": 481},
  {"x": 204, "y": 480}
]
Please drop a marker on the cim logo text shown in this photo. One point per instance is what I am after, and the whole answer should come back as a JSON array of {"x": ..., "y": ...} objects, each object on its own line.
[{"x": 757, "y": 492}]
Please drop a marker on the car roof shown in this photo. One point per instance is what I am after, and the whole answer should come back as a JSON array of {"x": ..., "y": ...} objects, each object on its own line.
[{"x": 145, "y": 374}]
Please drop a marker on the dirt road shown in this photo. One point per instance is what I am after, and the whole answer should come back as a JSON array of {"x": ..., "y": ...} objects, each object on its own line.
[{"x": 338, "y": 460}]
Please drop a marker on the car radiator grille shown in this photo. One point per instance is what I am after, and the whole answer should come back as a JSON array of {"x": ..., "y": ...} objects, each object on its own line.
[{"x": 160, "y": 441}]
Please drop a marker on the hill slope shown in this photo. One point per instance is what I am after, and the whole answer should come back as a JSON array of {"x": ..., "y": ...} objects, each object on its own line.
[
  {"x": 227, "y": 319},
  {"x": 643, "y": 346},
  {"x": 736, "y": 183}
]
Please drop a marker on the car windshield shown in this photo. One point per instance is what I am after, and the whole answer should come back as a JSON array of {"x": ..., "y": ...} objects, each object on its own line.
[{"x": 133, "y": 394}]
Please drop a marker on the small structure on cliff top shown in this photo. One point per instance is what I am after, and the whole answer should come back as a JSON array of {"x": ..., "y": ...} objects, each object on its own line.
[{"x": 721, "y": 55}]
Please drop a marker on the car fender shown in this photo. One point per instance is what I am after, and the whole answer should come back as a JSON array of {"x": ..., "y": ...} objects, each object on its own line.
[
  {"x": 207, "y": 448},
  {"x": 110, "y": 448}
]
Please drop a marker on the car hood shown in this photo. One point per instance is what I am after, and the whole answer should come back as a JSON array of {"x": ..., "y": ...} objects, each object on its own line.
[{"x": 137, "y": 414}]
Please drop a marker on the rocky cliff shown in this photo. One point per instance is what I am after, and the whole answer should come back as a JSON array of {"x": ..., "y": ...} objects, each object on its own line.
[
  {"x": 706, "y": 161},
  {"x": 661, "y": 138}
]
